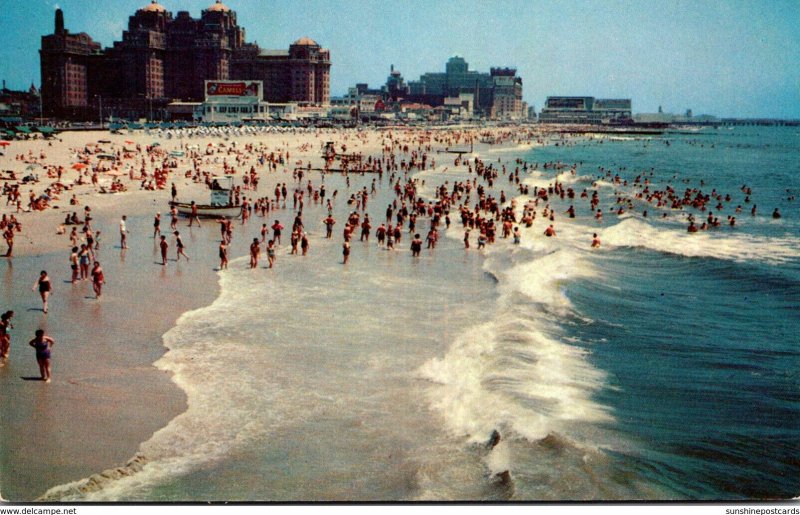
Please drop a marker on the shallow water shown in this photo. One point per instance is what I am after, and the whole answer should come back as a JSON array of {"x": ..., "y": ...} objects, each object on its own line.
[{"x": 661, "y": 366}]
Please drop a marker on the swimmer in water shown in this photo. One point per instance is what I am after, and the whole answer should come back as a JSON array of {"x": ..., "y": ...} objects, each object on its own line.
[{"x": 595, "y": 241}]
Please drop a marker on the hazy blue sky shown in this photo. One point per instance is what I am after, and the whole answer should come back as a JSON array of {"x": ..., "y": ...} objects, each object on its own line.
[{"x": 728, "y": 58}]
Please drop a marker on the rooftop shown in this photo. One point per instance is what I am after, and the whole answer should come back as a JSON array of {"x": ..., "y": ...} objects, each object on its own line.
[
  {"x": 154, "y": 7},
  {"x": 219, "y": 7}
]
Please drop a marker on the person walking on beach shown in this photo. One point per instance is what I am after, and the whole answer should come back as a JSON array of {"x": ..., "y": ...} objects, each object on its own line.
[
  {"x": 223, "y": 255},
  {"x": 44, "y": 287},
  {"x": 304, "y": 243},
  {"x": 276, "y": 232},
  {"x": 174, "y": 192},
  {"x": 73, "y": 263},
  {"x": 173, "y": 224},
  {"x": 329, "y": 223},
  {"x": 255, "y": 252},
  {"x": 180, "y": 246},
  {"x": 84, "y": 258},
  {"x": 5, "y": 337},
  {"x": 271, "y": 252},
  {"x": 43, "y": 344},
  {"x": 193, "y": 215},
  {"x": 157, "y": 226},
  {"x": 123, "y": 232},
  {"x": 416, "y": 246},
  {"x": 345, "y": 252},
  {"x": 98, "y": 279},
  {"x": 164, "y": 247}
]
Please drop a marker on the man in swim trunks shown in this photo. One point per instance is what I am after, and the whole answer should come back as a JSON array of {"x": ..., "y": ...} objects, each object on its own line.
[
  {"x": 164, "y": 247},
  {"x": 276, "y": 232},
  {"x": 194, "y": 216},
  {"x": 416, "y": 246},
  {"x": 123, "y": 233}
]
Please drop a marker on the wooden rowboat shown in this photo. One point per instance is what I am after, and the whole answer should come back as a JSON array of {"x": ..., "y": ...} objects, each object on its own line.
[{"x": 207, "y": 210}]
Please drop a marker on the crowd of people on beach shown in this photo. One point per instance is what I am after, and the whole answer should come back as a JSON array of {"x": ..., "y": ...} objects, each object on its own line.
[{"x": 493, "y": 201}]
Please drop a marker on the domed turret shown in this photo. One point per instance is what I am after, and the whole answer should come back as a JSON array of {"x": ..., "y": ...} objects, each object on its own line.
[
  {"x": 304, "y": 41},
  {"x": 219, "y": 7},
  {"x": 154, "y": 7}
]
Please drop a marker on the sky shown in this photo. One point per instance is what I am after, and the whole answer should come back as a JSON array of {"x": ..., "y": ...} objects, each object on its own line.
[{"x": 726, "y": 58}]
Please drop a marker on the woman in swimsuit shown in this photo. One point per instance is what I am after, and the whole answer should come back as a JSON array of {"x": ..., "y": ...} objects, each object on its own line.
[
  {"x": 271, "y": 252},
  {"x": 179, "y": 245},
  {"x": 44, "y": 286},
  {"x": 43, "y": 344},
  {"x": 84, "y": 255},
  {"x": 98, "y": 279}
]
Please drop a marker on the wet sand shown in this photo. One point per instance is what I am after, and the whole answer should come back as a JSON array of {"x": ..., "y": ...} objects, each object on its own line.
[{"x": 106, "y": 398}]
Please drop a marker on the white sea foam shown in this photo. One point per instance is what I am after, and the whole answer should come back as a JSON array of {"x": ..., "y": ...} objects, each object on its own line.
[
  {"x": 521, "y": 147},
  {"x": 516, "y": 372},
  {"x": 728, "y": 245},
  {"x": 225, "y": 411}
]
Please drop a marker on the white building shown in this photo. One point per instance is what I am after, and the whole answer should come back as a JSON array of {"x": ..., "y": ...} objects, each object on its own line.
[{"x": 230, "y": 101}]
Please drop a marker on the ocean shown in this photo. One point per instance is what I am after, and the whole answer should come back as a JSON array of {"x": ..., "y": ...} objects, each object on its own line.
[{"x": 662, "y": 365}]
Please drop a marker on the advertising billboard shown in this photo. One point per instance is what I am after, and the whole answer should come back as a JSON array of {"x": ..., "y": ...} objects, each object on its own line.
[{"x": 245, "y": 91}]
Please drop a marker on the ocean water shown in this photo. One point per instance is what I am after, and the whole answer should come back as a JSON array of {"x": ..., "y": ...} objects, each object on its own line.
[{"x": 663, "y": 365}]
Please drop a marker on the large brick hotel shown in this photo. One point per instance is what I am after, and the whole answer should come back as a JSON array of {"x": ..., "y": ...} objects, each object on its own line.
[{"x": 162, "y": 59}]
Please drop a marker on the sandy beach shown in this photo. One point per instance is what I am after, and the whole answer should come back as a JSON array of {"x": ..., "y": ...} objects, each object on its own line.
[{"x": 106, "y": 397}]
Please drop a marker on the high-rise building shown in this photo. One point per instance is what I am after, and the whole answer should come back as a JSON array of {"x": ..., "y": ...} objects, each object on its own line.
[
  {"x": 162, "y": 58},
  {"x": 65, "y": 65},
  {"x": 497, "y": 94}
]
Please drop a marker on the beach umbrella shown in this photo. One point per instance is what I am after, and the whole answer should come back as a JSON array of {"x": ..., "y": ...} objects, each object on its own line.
[
  {"x": 79, "y": 166},
  {"x": 32, "y": 166},
  {"x": 128, "y": 142},
  {"x": 155, "y": 144},
  {"x": 4, "y": 143}
]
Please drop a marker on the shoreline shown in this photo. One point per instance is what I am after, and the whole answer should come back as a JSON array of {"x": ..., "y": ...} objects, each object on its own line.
[{"x": 123, "y": 447}]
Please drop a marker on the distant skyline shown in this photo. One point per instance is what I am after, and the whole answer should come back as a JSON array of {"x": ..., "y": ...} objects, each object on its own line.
[{"x": 726, "y": 58}]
